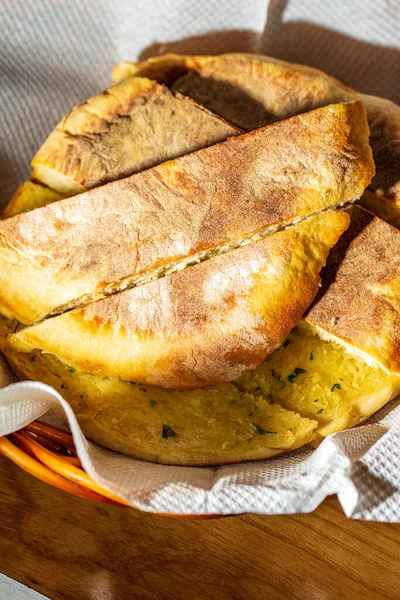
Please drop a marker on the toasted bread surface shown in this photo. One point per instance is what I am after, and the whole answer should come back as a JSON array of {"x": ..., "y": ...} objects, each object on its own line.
[
  {"x": 359, "y": 302},
  {"x": 252, "y": 90},
  {"x": 133, "y": 126},
  {"x": 137, "y": 229},
  {"x": 207, "y": 324}
]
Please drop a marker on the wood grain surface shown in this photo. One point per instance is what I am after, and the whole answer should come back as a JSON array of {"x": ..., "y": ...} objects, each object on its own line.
[{"x": 73, "y": 549}]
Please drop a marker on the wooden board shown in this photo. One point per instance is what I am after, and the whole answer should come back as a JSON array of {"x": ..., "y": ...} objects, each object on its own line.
[{"x": 72, "y": 549}]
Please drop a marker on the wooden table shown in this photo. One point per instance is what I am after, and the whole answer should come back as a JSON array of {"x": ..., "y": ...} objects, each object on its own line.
[{"x": 72, "y": 549}]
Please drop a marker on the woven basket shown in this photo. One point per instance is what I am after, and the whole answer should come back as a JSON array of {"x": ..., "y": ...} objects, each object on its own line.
[{"x": 49, "y": 454}]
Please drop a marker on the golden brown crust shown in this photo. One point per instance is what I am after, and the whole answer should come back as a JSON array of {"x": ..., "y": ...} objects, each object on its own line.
[
  {"x": 252, "y": 90},
  {"x": 204, "y": 325},
  {"x": 359, "y": 302},
  {"x": 133, "y": 126},
  {"x": 28, "y": 196},
  {"x": 54, "y": 256}
]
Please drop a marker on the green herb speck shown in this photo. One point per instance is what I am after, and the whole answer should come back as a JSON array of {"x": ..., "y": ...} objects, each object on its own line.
[
  {"x": 262, "y": 431},
  {"x": 153, "y": 403},
  {"x": 55, "y": 374},
  {"x": 275, "y": 376},
  {"x": 335, "y": 385},
  {"x": 81, "y": 396},
  {"x": 340, "y": 379},
  {"x": 311, "y": 357},
  {"x": 71, "y": 369},
  {"x": 257, "y": 389},
  {"x": 320, "y": 411},
  {"x": 167, "y": 432},
  {"x": 231, "y": 402},
  {"x": 250, "y": 414},
  {"x": 296, "y": 372},
  {"x": 32, "y": 358},
  {"x": 316, "y": 399},
  {"x": 64, "y": 387},
  {"x": 142, "y": 389}
]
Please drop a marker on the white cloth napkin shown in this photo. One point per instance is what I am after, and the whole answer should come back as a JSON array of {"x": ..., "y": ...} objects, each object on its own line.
[{"x": 54, "y": 55}]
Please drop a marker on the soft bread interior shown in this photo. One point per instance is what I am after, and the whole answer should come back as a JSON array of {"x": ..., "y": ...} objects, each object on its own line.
[
  {"x": 307, "y": 388},
  {"x": 57, "y": 181},
  {"x": 322, "y": 380},
  {"x": 214, "y": 425}
]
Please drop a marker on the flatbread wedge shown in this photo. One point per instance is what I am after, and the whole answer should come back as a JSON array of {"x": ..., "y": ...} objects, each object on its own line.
[
  {"x": 228, "y": 423},
  {"x": 359, "y": 302},
  {"x": 135, "y": 125},
  {"x": 204, "y": 325},
  {"x": 197, "y": 427},
  {"x": 252, "y": 90},
  {"x": 183, "y": 211}
]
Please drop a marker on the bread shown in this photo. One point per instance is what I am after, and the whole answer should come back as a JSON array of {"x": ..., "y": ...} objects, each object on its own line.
[
  {"x": 133, "y": 126},
  {"x": 198, "y": 427},
  {"x": 252, "y": 90},
  {"x": 205, "y": 325},
  {"x": 225, "y": 423},
  {"x": 182, "y": 211},
  {"x": 121, "y": 131},
  {"x": 322, "y": 381},
  {"x": 359, "y": 302},
  {"x": 28, "y": 196},
  {"x": 257, "y": 415}
]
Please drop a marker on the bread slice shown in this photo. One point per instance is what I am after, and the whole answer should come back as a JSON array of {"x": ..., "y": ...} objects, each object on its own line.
[
  {"x": 136, "y": 125},
  {"x": 252, "y": 90},
  {"x": 28, "y": 196},
  {"x": 204, "y": 325},
  {"x": 133, "y": 126},
  {"x": 252, "y": 418},
  {"x": 359, "y": 302},
  {"x": 183, "y": 211},
  {"x": 198, "y": 427}
]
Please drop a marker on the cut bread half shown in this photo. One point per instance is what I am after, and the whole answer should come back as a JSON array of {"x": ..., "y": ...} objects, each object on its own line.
[
  {"x": 30, "y": 195},
  {"x": 132, "y": 126},
  {"x": 198, "y": 427},
  {"x": 204, "y": 325},
  {"x": 359, "y": 302},
  {"x": 181, "y": 212},
  {"x": 253, "y": 418},
  {"x": 252, "y": 90}
]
